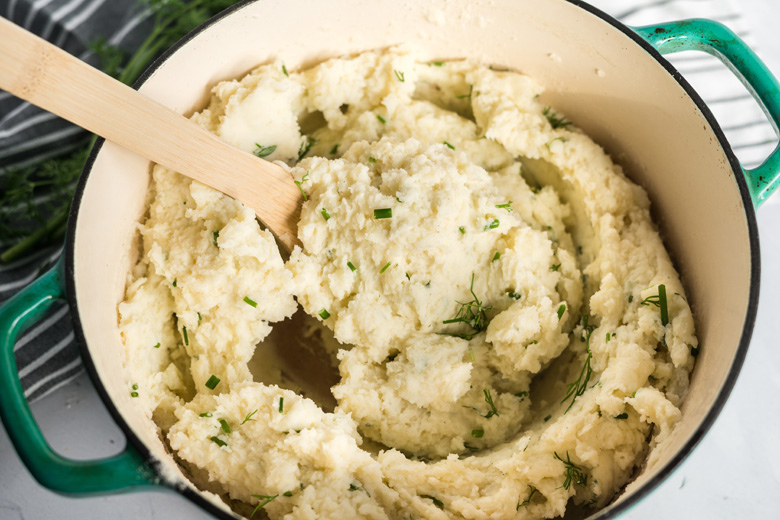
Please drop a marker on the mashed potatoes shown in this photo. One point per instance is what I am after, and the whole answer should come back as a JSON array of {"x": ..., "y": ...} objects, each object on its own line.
[{"x": 509, "y": 331}]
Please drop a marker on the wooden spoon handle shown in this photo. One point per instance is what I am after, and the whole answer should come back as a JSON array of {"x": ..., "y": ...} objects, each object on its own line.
[{"x": 46, "y": 76}]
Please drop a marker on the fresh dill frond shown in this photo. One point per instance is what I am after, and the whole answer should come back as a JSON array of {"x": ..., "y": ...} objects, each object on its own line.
[
  {"x": 556, "y": 121},
  {"x": 306, "y": 144},
  {"x": 577, "y": 388},
  {"x": 573, "y": 472},
  {"x": 472, "y": 313},
  {"x": 305, "y": 178},
  {"x": 264, "y": 151}
]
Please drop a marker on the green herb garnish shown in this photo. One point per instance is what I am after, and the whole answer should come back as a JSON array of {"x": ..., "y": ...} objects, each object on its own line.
[
  {"x": 249, "y": 417},
  {"x": 306, "y": 144},
  {"x": 573, "y": 472},
  {"x": 218, "y": 441},
  {"x": 264, "y": 151},
  {"x": 531, "y": 494},
  {"x": 212, "y": 382},
  {"x": 437, "y": 63},
  {"x": 157, "y": 346},
  {"x": 215, "y": 237},
  {"x": 514, "y": 295},
  {"x": 448, "y": 145},
  {"x": 399, "y": 75},
  {"x": 623, "y": 415},
  {"x": 351, "y": 266},
  {"x": 496, "y": 256},
  {"x": 284, "y": 70},
  {"x": 250, "y": 301},
  {"x": 186, "y": 338},
  {"x": 467, "y": 96},
  {"x": 381, "y": 119},
  {"x": 438, "y": 503},
  {"x": 174, "y": 282},
  {"x": 555, "y": 267},
  {"x": 506, "y": 206},
  {"x": 477, "y": 434},
  {"x": 471, "y": 313},
  {"x": 578, "y": 387},
  {"x": 281, "y": 405},
  {"x": 305, "y": 178},
  {"x": 383, "y": 213},
  {"x": 462, "y": 230},
  {"x": 659, "y": 301},
  {"x": 335, "y": 149},
  {"x": 205, "y": 414},
  {"x": 324, "y": 314},
  {"x": 555, "y": 120},
  {"x": 265, "y": 500},
  {"x": 492, "y": 224},
  {"x": 225, "y": 425},
  {"x": 371, "y": 160},
  {"x": 548, "y": 418},
  {"x": 325, "y": 214},
  {"x": 387, "y": 265},
  {"x": 561, "y": 310}
]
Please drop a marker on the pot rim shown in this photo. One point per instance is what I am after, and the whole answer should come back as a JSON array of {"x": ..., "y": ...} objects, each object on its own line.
[{"x": 607, "y": 513}]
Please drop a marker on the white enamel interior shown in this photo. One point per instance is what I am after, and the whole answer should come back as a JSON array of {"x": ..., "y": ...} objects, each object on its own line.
[{"x": 596, "y": 75}]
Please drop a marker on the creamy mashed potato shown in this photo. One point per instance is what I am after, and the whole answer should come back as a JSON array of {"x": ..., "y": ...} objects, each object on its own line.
[{"x": 509, "y": 331}]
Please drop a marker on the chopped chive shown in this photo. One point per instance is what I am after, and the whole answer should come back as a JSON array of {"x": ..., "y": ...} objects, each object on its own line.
[
  {"x": 387, "y": 265},
  {"x": 300, "y": 183},
  {"x": 462, "y": 230},
  {"x": 399, "y": 75},
  {"x": 555, "y": 267},
  {"x": 264, "y": 151},
  {"x": 437, "y": 63},
  {"x": 212, "y": 382},
  {"x": 133, "y": 394},
  {"x": 288, "y": 493},
  {"x": 383, "y": 213},
  {"x": 335, "y": 149},
  {"x": 281, "y": 405},
  {"x": 477, "y": 434},
  {"x": 215, "y": 237},
  {"x": 135, "y": 386},
  {"x": 186, "y": 338},
  {"x": 630, "y": 298},
  {"x": 325, "y": 214},
  {"x": 496, "y": 256},
  {"x": 623, "y": 415},
  {"x": 506, "y": 206},
  {"x": 561, "y": 310},
  {"x": 448, "y": 145},
  {"x": 324, "y": 314},
  {"x": 608, "y": 336},
  {"x": 381, "y": 119},
  {"x": 522, "y": 395},
  {"x": 205, "y": 414},
  {"x": 225, "y": 425},
  {"x": 664, "y": 307},
  {"x": 250, "y": 301},
  {"x": 351, "y": 266},
  {"x": 157, "y": 346},
  {"x": 174, "y": 282},
  {"x": 514, "y": 295},
  {"x": 548, "y": 418},
  {"x": 492, "y": 224},
  {"x": 218, "y": 441},
  {"x": 249, "y": 417},
  {"x": 200, "y": 318},
  {"x": 371, "y": 160},
  {"x": 284, "y": 70}
]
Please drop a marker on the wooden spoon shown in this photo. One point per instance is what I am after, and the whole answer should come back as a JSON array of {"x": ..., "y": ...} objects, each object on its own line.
[{"x": 46, "y": 76}]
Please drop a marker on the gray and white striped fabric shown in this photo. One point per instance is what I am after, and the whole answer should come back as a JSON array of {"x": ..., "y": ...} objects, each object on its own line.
[{"x": 46, "y": 354}]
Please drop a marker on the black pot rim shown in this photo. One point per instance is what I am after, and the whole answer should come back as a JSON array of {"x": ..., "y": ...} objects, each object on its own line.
[{"x": 605, "y": 514}]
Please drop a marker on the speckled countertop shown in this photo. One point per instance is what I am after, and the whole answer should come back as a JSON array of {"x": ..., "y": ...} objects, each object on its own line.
[{"x": 733, "y": 473}]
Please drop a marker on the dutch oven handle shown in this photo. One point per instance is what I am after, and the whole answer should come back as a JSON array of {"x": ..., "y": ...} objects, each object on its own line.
[
  {"x": 717, "y": 39},
  {"x": 125, "y": 471}
]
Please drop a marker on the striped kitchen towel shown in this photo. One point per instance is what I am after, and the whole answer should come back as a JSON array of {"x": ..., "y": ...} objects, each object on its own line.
[{"x": 46, "y": 354}]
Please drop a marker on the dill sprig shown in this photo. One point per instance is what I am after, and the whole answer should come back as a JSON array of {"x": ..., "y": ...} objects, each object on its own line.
[
  {"x": 489, "y": 400},
  {"x": 577, "y": 388},
  {"x": 38, "y": 225},
  {"x": 265, "y": 500},
  {"x": 556, "y": 121},
  {"x": 472, "y": 313},
  {"x": 573, "y": 472}
]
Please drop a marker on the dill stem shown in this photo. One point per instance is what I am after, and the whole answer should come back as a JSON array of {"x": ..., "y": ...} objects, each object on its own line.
[{"x": 52, "y": 229}]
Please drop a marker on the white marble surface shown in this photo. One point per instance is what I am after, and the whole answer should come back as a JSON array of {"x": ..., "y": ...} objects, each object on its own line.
[{"x": 733, "y": 473}]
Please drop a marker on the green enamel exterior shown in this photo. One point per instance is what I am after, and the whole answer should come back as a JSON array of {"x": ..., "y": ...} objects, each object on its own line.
[
  {"x": 717, "y": 39},
  {"x": 123, "y": 472}
]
